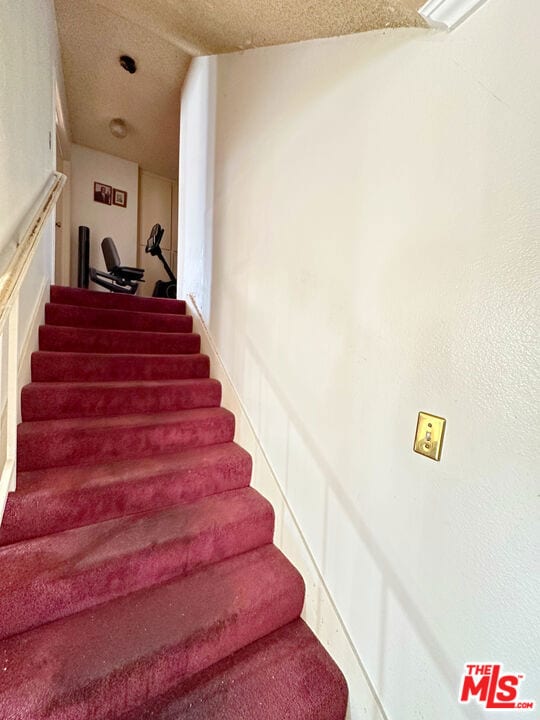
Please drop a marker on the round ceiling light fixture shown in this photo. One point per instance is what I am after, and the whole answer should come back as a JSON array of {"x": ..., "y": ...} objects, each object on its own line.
[
  {"x": 128, "y": 63},
  {"x": 118, "y": 128}
]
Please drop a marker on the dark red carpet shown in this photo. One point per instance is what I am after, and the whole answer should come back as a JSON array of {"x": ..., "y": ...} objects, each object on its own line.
[{"x": 137, "y": 569}]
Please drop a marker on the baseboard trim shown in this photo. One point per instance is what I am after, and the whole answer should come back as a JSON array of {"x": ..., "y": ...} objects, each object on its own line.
[{"x": 320, "y": 611}]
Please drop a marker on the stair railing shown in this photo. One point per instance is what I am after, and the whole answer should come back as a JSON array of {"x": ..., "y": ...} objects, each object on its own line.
[{"x": 11, "y": 281}]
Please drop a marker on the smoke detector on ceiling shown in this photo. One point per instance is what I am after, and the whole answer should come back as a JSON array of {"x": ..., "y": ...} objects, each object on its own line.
[
  {"x": 128, "y": 63},
  {"x": 118, "y": 128}
]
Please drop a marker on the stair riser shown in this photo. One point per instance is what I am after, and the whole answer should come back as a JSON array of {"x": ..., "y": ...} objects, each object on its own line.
[
  {"x": 97, "y": 445},
  {"x": 30, "y": 605},
  {"x": 25, "y": 517},
  {"x": 66, "y": 339},
  {"x": 39, "y": 402},
  {"x": 87, "y": 298},
  {"x": 73, "y": 316},
  {"x": 81, "y": 367}
]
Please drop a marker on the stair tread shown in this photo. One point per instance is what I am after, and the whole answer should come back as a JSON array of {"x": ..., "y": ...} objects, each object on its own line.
[
  {"x": 89, "y": 440},
  {"x": 120, "y": 312},
  {"x": 109, "y": 659},
  {"x": 121, "y": 421},
  {"x": 265, "y": 680},
  {"x": 71, "y": 366},
  {"x": 73, "y": 551},
  {"x": 81, "y": 339},
  {"x": 111, "y": 333},
  {"x": 122, "y": 357},
  {"x": 119, "y": 384},
  {"x": 84, "y": 477},
  {"x": 62, "y": 314},
  {"x": 62, "y": 400},
  {"x": 60, "y": 574},
  {"x": 93, "y": 298},
  {"x": 57, "y": 498}
]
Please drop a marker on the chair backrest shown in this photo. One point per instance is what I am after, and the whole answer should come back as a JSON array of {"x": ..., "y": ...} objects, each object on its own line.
[{"x": 110, "y": 253}]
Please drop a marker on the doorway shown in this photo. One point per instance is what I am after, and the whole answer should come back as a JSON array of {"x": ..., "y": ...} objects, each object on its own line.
[{"x": 62, "y": 246}]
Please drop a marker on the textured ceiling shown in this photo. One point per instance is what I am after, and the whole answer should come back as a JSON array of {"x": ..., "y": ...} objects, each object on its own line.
[
  {"x": 98, "y": 89},
  {"x": 203, "y": 27},
  {"x": 162, "y": 35}
]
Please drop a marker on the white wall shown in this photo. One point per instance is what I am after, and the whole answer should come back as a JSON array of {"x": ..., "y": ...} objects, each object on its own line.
[
  {"x": 196, "y": 211},
  {"x": 28, "y": 47},
  {"x": 29, "y": 69},
  {"x": 319, "y": 610},
  {"x": 87, "y": 166},
  {"x": 29, "y": 57},
  {"x": 375, "y": 219}
]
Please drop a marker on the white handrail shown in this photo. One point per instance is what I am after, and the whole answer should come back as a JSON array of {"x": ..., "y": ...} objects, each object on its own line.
[
  {"x": 10, "y": 285},
  {"x": 11, "y": 280}
]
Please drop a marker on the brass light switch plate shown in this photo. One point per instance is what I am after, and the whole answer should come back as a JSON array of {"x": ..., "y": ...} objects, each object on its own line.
[{"x": 429, "y": 435}]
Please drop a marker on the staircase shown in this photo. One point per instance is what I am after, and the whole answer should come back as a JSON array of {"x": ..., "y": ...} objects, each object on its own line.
[{"x": 137, "y": 571}]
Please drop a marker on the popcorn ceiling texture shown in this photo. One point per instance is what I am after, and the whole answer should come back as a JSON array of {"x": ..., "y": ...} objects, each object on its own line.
[
  {"x": 209, "y": 27},
  {"x": 162, "y": 35},
  {"x": 98, "y": 89}
]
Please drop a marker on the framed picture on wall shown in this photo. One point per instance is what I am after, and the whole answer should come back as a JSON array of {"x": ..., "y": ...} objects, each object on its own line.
[
  {"x": 102, "y": 193},
  {"x": 119, "y": 197}
]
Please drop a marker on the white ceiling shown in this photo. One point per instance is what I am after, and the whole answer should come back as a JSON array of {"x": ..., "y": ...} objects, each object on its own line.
[{"x": 162, "y": 35}]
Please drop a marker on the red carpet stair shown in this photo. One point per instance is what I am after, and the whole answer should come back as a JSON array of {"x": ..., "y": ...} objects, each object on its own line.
[{"x": 139, "y": 579}]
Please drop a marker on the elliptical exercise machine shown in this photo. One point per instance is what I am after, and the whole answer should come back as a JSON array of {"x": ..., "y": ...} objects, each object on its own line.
[
  {"x": 121, "y": 278},
  {"x": 162, "y": 288}
]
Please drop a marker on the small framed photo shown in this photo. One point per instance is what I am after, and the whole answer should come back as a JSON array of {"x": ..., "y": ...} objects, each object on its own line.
[
  {"x": 119, "y": 197},
  {"x": 102, "y": 193}
]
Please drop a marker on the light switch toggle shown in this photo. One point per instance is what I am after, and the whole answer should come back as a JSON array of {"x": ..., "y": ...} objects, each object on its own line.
[{"x": 429, "y": 435}]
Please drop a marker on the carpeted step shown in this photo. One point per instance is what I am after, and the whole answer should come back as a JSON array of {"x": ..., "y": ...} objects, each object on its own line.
[
  {"x": 287, "y": 674},
  {"x": 83, "y": 441},
  {"x": 59, "y": 498},
  {"x": 68, "y": 339},
  {"x": 110, "y": 367},
  {"x": 138, "y": 577},
  {"x": 58, "y": 575},
  {"x": 115, "y": 657},
  {"x": 44, "y": 401},
  {"x": 85, "y": 317},
  {"x": 91, "y": 298}
]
